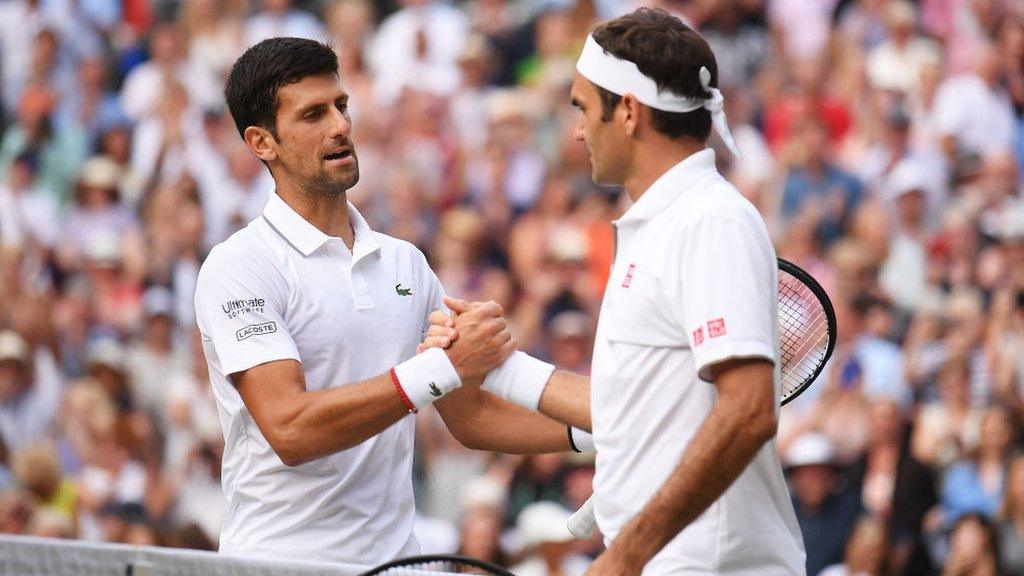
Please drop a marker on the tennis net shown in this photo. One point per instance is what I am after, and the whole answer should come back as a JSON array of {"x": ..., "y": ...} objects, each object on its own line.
[{"x": 31, "y": 556}]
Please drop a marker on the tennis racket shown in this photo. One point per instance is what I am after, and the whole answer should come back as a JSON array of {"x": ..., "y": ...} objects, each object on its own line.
[
  {"x": 807, "y": 337},
  {"x": 434, "y": 565}
]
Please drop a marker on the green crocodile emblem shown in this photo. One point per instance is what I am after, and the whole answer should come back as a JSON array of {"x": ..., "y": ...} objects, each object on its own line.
[{"x": 403, "y": 291}]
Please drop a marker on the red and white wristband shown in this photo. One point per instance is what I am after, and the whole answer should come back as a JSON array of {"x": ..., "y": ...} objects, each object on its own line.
[
  {"x": 424, "y": 378},
  {"x": 521, "y": 378}
]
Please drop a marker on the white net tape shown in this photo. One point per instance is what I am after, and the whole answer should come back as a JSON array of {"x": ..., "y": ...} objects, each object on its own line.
[{"x": 30, "y": 556}]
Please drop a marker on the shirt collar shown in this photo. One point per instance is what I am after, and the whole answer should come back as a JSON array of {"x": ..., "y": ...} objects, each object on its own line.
[
  {"x": 307, "y": 238},
  {"x": 670, "y": 185}
]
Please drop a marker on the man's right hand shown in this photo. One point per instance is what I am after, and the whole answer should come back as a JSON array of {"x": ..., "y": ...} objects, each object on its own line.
[{"x": 482, "y": 339}]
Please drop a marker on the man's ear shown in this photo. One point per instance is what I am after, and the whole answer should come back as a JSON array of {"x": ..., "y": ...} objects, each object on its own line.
[
  {"x": 261, "y": 142},
  {"x": 629, "y": 113}
]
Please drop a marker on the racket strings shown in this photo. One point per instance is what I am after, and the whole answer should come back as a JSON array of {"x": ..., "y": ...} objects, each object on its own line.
[{"x": 804, "y": 337}]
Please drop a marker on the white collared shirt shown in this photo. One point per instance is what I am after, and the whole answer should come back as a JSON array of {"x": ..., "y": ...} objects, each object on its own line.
[
  {"x": 279, "y": 289},
  {"x": 694, "y": 283}
]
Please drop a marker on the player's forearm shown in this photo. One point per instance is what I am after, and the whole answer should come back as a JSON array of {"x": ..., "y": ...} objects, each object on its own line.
[
  {"x": 482, "y": 421},
  {"x": 723, "y": 446},
  {"x": 312, "y": 425},
  {"x": 566, "y": 398}
]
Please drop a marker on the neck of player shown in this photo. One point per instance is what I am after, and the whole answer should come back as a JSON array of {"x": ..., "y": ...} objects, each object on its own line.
[
  {"x": 328, "y": 212},
  {"x": 652, "y": 157}
]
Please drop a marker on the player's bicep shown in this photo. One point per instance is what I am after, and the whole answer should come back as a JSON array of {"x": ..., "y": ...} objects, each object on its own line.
[
  {"x": 727, "y": 293},
  {"x": 268, "y": 391}
]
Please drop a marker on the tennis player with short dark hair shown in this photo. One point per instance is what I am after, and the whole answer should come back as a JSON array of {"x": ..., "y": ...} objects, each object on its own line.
[
  {"x": 310, "y": 323},
  {"x": 684, "y": 393}
]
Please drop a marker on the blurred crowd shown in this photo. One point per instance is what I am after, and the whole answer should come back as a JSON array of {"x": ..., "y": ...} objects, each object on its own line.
[{"x": 882, "y": 141}]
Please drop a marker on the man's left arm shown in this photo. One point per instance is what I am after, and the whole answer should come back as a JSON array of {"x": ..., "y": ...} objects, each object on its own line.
[{"x": 741, "y": 421}]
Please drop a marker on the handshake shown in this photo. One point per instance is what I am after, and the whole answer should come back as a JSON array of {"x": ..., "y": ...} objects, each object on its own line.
[{"x": 472, "y": 345}]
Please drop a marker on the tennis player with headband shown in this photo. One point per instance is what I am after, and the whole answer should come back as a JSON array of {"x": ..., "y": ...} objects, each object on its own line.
[{"x": 683, "y": 397}]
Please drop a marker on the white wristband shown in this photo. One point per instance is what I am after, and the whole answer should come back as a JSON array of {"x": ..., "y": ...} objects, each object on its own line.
[
  {"x": 521, "y": 379},
  {"x": 581, "y": 440},
  {"x": 427, "y": 377}
]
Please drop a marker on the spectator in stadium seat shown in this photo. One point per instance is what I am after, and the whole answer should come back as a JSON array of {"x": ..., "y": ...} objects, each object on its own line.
[
  {"x": 418, "y": 46},
  {"x": 738, "y": 46},
  {"x": 896, "y": 63},
  {"x": 547, "y": 543},
  {"x": 947, "y": 429},
  {"x": 29, "y": 397},
  {"x": 480, "y": 535},
  {"x": 38, "y": 471},
  {"x": 280, "y": 18},
  {"x": 814, "y": 183},
  {"x": 168, "y": 62},
  {"x": 977, "y": 483},
  {"x": 156, "y": 359},
  {"x": 867, "y": 551},
  {"x": 904, "y": 273},
  {"x": 826, "y": 505},
  {"x": 973, "y": 112},
  {"x": 27, "y": 213},
  {"x": 972, "y": 548},
  {"x": 58, "y": 152},
  {"x": 213, "y": 30},
  {"x": 96, "y": 220},
  {"x": 89, "y": 104}
]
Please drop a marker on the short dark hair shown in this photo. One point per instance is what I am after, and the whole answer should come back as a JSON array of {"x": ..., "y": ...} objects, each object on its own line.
[
  {"x": 669, "y": 52},
  {"x": 256, "y": 77}
]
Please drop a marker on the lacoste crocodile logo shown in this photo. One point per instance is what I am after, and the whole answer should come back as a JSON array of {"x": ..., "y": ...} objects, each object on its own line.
[
  {"x": 434, "y": 390},
  {"x": 403, "y": 291}
]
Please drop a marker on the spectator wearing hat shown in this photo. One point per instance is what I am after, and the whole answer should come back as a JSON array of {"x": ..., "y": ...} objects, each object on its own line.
[
  {"x": 904, "y": 273},
  {"x": 826, "y": 505},
  {"x": 97, "y": 224},
  {"x": 156, "y": 358},
  {"x": 28, "y": 405},
  {"x": 547, "y": 543},
  {"x": 896, "y": 63}
]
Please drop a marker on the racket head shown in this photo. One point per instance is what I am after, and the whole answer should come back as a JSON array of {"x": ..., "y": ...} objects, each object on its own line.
[
  {"x": 437, "y": 563},
  {"x": 807, "y": 329}
]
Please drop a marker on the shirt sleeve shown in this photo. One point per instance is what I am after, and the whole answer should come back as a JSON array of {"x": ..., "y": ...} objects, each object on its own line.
[
  {"x": 728, "y": 292},
  {"x": 240, "y": 307},
  {"x": 435, "y": 294}
]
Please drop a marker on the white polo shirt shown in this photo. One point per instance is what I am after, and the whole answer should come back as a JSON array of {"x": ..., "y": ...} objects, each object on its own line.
[
  {"x": 280, "y": 288},
  {"x": 694, "y": 282}
]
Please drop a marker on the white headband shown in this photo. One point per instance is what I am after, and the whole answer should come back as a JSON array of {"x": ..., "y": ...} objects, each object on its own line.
[{"x": 622, "y": 77}]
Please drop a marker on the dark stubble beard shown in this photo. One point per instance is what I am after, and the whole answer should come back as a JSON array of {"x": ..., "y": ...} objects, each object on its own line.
[{"x": 328, "y": 187}]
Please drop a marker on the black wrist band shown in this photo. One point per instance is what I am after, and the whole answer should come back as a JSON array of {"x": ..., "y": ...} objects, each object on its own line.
[{"x": 572, "y": 444}]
